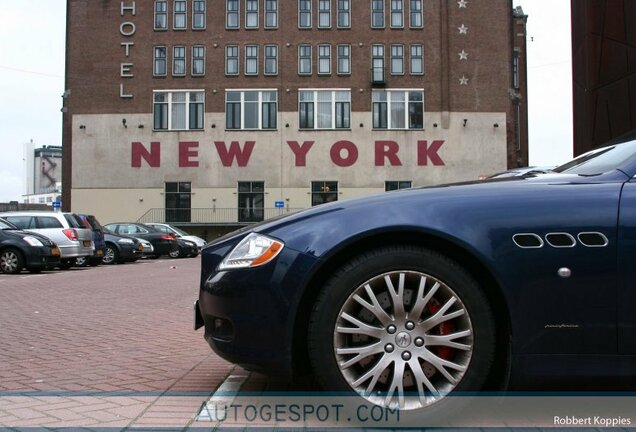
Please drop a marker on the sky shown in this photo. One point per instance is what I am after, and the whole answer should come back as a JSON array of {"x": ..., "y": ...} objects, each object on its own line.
[{"x": 32, "y": 82}]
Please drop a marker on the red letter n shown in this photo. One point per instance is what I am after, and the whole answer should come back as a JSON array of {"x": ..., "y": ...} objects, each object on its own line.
[{"x": 152, "y": 157}]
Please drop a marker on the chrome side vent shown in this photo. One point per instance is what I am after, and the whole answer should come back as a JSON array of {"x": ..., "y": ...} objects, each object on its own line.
[
  {"x": 527, "y": 241},
  {"x": 560, "y": 240},
  {"x": 593, "y": 239}
]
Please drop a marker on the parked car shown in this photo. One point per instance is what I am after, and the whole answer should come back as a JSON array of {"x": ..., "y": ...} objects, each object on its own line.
[
  {"x": 162, "y": 243},
  {"x": 147, "y": 251},
  {"x": 515, "y": 172},
  {"x": 408, "y": 297},
  {"x": 120, "y": 248},
  {"x": 25, "y": 250},
  {"x": 65, "y": 229},
  {"x": 178, "y": 233},
  {"x": 93, "y": 224},
  {"x": 185, "y": 249}
]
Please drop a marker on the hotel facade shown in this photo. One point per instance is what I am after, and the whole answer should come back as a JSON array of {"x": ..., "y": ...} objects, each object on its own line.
[{"x": 224, "y": 112}]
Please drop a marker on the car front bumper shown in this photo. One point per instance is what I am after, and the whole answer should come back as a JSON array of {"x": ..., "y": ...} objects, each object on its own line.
[{"x": 42, "y": 257}]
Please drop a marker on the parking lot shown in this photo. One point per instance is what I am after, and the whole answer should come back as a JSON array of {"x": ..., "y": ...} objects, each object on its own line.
[{"x": 110, "y": 346}]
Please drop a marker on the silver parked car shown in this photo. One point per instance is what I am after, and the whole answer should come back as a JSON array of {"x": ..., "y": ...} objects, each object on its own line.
[{"x": 65, "y": 229}]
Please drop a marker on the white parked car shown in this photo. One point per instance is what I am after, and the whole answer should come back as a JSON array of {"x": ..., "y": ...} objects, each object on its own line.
[
  {"x": 65, "y": 229},
  {"x": 178, "y": 233}
]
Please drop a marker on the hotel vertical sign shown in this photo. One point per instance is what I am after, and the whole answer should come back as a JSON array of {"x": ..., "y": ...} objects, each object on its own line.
[{"x": 127, "y": 29}]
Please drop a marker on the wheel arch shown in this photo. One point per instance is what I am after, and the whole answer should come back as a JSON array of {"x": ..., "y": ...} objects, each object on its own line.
[{"x": 464, "y": 257}]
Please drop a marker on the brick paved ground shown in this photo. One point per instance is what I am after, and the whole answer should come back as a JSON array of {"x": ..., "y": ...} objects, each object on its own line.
[{"x": 66, "y": 337}]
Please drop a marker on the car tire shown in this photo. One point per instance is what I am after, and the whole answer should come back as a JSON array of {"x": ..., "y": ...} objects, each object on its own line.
[
  {"x": 94, "y": 262},
  {"x": 369, "y": 334},
  {"x": 11, "y": 261},
  {"x": 111, "y": 255},
  {"x": 176, "y": 253}
]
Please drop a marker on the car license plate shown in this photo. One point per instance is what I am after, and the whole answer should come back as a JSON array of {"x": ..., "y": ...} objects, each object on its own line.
[
  {"x": 100, "y": 252},
  {"x": 198, "y": 318},
  {"x": 87, "y": 243}
]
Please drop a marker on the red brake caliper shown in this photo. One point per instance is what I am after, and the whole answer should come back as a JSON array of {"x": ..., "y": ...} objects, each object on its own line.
[{"x": 443, "y": 329}]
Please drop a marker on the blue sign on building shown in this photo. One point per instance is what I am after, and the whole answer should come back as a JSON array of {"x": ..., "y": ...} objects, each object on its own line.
[
  {"x": 279, "y": 204},
  {"x": 56, "y": 205}
]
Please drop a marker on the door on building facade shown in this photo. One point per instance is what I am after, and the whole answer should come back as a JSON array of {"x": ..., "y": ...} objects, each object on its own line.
[
  {"x": 251, "y": 197},
  {"x": 178, "y": 201}
]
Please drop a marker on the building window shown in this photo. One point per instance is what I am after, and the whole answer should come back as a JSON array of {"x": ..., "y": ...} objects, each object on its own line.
[
  {"x": 324, "y": 59},
  {"x": 198, "y": 60},
  {"x": 232, "y": 60},
  {"x": 180, "y": 11},
  {"x": 304, "y": 13},
  {"x": 271, "y": 13},
  {"x": 159, "y": 68},
  {"x": 344, "y": 13},
  {"x": 396, "y": 185},
  {"x": 417, "y": 60},
  {"x": 178, "y": 61},
  {"x": 251, "y": 197},
  {"x": 198, "y": 14},
  {"x": 251, "y": 14},
  {"x": 178, "y": 110},
  {"x": 161, "y": 15},
  {"x": 397, "y": 59},
  {"x": 251, "y": 60},
  {"x": 232, "y": 14},
  {"x": 397, "y": 13},
  {"x": 324, "y": 13},
  {"x": 377, "y": 13},
  {"x": 271, "y": 59},
  {"x": 377, "y": 63},
  {"x": 515, "y": 68},
  {"x": 304, "y": 59},
  {"x": 398, "y": 109},
  {"x": 416, "y": 20},
  {"x": 250, "y": 109},
  {"x": 323, "y": 192},
  {"x": 178, "y": 200},
  {"x": 344, "y": 59},
  {"x": 331, "y": 109}
]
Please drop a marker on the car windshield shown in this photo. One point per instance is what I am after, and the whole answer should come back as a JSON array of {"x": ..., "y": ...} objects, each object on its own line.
[
  {"x": 6, "y": 225},
  {"x": 180, "y": 232},
  {"x": 599, "y": 161}
]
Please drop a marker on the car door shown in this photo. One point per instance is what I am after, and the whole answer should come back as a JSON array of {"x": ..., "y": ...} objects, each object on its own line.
[{"x": 627, "y": 270}]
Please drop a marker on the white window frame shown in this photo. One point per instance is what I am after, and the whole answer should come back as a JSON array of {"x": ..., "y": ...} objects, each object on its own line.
[
  {"x": 269, "y": 12},
  {"x": 184, "y": 13},
  {"x": 266, "y": 57},
  {"x": 249, "y": 12},
  {"x": 156, "y": 59},
  {"x": 237, "y": 12},
  {"x": 195, "y": 13},
  {"x": 374, "y": 11},
  {"x": 395, "y": 56},
  {"x": 176, "y": 58},
  {"x": 397, "y": 13},
  {"x": 322, "y": 50},
  {"x": 389, "y": 102},
  {"x": 198, "y": 58},
  {"x": 340, "y": 11},
  {"x": 248, "y": 50},
  {"x": 164, "y": 13},
  {"x": 260, "y": 107},
  {"x": 311, "y": 50},
  {"x": 348, "y": 57},
  {"x": 237, "y": 58},
  {"x": 187, "y": 108},
  {"x": 415, "y": 12},
  {"x": 333, "y": 101},
  {"x": 300, "y": 12},
  {"x": 413, "y": 57},
  {"x": 375, "y": 57},
  {"x": 324, "y": 12}
]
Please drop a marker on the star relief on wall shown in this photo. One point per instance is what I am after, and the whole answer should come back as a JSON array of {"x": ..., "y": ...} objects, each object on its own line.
[
  {"x": 463, "y": 55},
  {"x": 463, "y": 30},
  {"x": 463, "y": 4},
  {"x": 463, "y": 80}
]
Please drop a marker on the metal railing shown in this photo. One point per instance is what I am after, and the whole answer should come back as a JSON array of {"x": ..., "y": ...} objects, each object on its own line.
[{"x": 213, "y": 216}]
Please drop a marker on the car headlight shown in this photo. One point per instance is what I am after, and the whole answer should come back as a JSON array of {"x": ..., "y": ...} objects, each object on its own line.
[
  {"x": 253, "y": 251},
  {"x": 32, "y": 241},
  {"x": 126, "y": 241}
]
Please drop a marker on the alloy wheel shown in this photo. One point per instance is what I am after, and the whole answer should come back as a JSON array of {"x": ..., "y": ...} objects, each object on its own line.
[{"x": 9, "y": 262}]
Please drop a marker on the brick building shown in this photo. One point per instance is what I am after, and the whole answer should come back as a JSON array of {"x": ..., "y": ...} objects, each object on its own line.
[{"x": 213, "y": 112}]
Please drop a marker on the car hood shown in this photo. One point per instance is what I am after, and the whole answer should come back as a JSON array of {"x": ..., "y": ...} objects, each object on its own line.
[{"x": 21, "y": 234}]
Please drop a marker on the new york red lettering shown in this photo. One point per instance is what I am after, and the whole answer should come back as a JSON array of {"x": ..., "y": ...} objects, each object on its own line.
[
  {"x": 336, "y": 153},
  {"x": 387, "y": 150},
  {"x": 424, "y": 153},
  {"x": 235, "y": 152},
  {"x": 139, "y": 152},
  {"x": 186, "y": 153}
]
